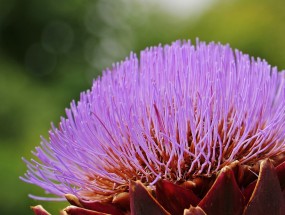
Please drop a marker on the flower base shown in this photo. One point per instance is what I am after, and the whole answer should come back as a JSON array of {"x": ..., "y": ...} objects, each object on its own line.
[{"x": 236, "y": 190}]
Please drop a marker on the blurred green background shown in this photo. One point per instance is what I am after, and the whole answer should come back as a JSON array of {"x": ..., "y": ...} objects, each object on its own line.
[{"x": 51, "y": 50}]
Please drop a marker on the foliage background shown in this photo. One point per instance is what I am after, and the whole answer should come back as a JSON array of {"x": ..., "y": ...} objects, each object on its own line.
[{"x": 51, "y": 50}]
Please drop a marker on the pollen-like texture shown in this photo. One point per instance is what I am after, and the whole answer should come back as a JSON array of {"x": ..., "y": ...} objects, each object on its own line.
[{"x": 178, "y": 112}]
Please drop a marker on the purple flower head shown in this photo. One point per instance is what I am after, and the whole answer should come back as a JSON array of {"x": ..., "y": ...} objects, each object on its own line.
[{"x": 178, "y": 112}]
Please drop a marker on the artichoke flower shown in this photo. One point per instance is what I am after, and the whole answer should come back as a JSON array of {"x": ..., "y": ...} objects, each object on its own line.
[{"x": 183, "y": 129}]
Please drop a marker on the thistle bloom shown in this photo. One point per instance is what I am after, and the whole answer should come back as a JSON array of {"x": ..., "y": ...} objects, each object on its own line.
[{"x": 202, "y": 123}]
